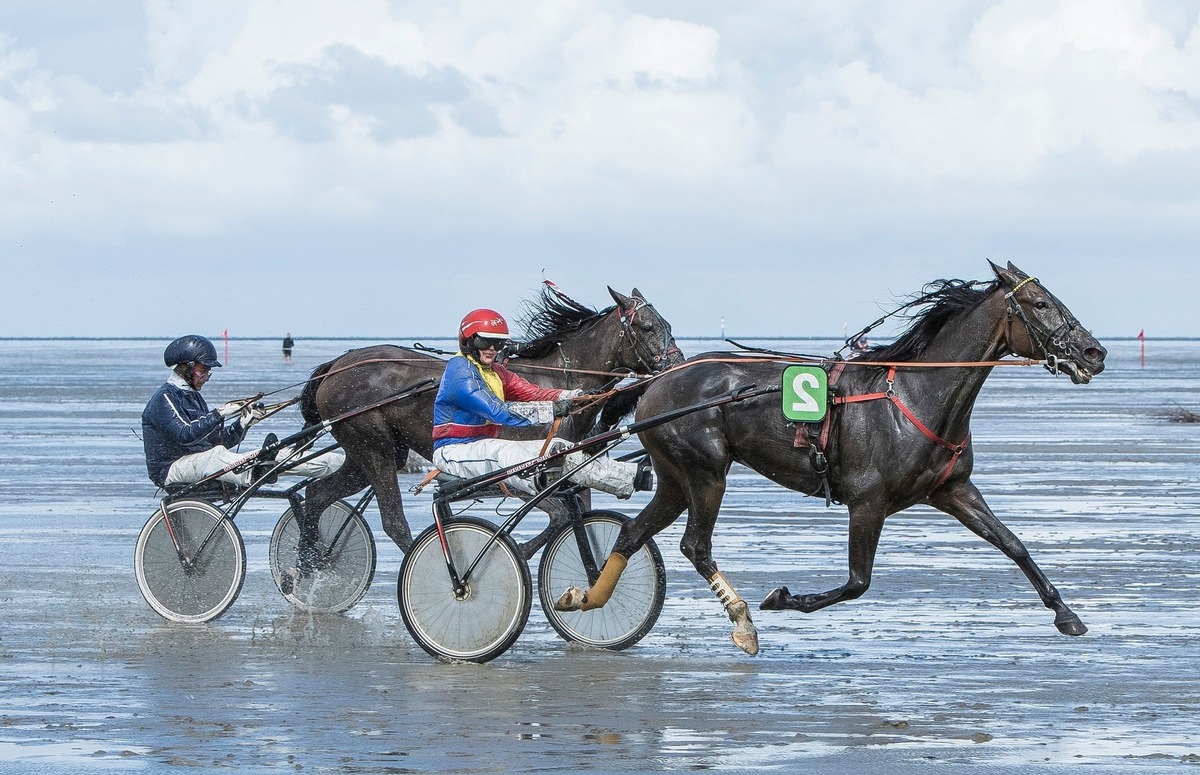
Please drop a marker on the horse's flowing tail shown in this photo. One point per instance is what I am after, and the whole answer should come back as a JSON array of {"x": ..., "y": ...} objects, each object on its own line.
[{"x": 308, "y": 396}]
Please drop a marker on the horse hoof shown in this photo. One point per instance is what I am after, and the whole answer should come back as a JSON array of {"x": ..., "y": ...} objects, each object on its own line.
[
  {"x": 571, "y": 600},
  {"x": 288, "y": 579},
  {"x": 776, "y": 600},
  {"x": 1070, "y": 624},
  {"x": 746, "y": 638}
]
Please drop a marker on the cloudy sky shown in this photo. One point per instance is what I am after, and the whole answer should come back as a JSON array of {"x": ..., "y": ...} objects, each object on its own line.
[{"x": 377, "y": 168}]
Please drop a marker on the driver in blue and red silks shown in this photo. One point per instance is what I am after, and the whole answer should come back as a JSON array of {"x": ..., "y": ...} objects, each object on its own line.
[
  {"x": 185, "y": 441},
  {"x": 478, "y": 396}
]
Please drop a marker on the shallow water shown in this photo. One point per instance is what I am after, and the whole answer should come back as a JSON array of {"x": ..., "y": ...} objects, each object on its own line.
[{"x": 949, "y": 659}]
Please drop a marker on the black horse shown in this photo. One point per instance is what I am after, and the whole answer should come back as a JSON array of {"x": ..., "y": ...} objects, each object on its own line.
[
  {"x": 570, "y": 346},
  {"x": 907, "y": 443}
]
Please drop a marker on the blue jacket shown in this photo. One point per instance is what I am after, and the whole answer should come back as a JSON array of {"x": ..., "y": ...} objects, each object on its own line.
[
  {"x": 466, "y": 409},
  {"x": 177, "y": 422}
]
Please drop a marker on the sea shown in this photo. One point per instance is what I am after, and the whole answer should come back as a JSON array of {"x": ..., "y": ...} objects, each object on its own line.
[{"x": 948, "y": 662}]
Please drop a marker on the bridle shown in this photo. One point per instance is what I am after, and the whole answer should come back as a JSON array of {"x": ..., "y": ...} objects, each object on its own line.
[
  {"x": 647, "y": 359},
  {"x": 1057, "y": 339}
]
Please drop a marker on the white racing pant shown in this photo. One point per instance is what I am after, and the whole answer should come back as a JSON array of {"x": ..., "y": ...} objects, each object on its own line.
[
  {"x": 482, "y": 456},
  {"x": 193, "y": 468}
]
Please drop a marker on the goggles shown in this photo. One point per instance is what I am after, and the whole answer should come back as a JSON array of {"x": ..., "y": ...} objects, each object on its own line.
[{"x": 487, "y": 343}]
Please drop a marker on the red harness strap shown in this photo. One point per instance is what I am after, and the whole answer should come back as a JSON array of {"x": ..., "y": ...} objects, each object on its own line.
[{"x": 955, "y": 449}]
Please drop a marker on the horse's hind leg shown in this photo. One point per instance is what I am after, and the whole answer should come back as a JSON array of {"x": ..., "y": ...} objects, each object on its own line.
[
  {"x": 380, "y": 467},
  {"x": 320, "y": 494},
  {"x": 866, "y": 524},
  {"x": 966, "y": 504}
]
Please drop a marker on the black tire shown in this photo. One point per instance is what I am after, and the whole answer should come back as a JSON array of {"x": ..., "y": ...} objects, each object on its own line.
[
  {"x": 202, "y": 586},
  {"x": 344, "y": 569},
  {"x": 636, "y": 602},
  {"x": 480, "y": 625}
]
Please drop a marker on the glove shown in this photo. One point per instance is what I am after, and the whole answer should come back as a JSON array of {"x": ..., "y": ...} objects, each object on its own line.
[
  {"x": 573, "y": 393},
  {"x": 250, "y": 414},
  {"x": 563, "y": 407},
  {"x": 229, "y": 410}
]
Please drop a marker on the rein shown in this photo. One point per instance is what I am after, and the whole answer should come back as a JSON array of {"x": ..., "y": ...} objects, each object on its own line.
[{"x": 332, "y": 372}]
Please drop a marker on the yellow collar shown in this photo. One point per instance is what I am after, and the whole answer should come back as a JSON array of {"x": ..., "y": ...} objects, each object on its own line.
[{"x": 490, "y": 377}]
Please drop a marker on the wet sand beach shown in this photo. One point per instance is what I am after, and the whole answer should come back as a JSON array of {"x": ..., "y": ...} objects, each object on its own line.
[{"x": 949, "y": 661}]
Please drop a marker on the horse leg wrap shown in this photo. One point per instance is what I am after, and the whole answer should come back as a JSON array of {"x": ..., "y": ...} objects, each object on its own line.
[
  {"x": 724, "y": 591},
  {"x": 599, "y": 593},
  {"x": 745, "y": 634}
]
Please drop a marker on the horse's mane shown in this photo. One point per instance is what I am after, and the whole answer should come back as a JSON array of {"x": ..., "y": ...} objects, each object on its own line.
[
  {"x": 940, "y": 302},
  {"x": 551, "y": 319}
]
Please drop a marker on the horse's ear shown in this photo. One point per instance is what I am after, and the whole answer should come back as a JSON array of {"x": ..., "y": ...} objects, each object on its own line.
[
  {"x": 638, "y": 294},
  {"x": 1013, "y": 268},
  {"x": 624, "y": 301},
  {"x": 1006, "y": 276}
]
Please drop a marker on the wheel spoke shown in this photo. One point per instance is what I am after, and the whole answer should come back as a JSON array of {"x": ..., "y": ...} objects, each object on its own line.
[{"x": 636, "y": 601}]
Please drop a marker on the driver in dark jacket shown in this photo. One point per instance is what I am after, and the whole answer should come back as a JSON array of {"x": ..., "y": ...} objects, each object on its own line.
[{"x": 185, "y": 441}]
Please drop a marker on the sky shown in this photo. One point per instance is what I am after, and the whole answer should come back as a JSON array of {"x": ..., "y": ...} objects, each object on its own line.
[{"x": 774, "y": 168}]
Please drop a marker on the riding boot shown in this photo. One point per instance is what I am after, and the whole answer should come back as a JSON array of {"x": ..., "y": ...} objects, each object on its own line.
[
  {"x": 266, "y": 460},
  {"x": 643, "y": 480},
  {"x": 615, "y": 477}
]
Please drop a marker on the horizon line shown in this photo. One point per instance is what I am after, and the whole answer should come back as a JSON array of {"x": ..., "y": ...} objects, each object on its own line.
[{"x": 384, "y": 339}]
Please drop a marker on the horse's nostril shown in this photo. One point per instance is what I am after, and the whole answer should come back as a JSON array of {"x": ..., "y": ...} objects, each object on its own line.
[{"x": 1094, "y": 354}]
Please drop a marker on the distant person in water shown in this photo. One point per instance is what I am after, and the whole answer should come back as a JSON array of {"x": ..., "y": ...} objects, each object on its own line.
[
  {"x": 185, "y": 441},
  {"x": 288, "y": 344},
  {"x": 859, "y": 344}
]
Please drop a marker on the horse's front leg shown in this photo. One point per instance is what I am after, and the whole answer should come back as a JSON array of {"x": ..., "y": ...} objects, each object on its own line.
[
  {"x": 964, "y": 502},
  {"x": 866, "y": 523}
]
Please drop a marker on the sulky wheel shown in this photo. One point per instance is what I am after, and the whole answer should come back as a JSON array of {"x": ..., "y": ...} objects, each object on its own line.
[{"x": 480, "y": 621}]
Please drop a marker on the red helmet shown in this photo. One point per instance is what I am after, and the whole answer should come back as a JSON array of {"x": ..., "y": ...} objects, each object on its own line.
[{"x": 487, "y": 323}]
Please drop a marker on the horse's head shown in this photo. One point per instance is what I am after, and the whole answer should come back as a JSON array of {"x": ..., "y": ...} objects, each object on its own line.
[
  {"x": 1041, "y": 326},
  {"x": 647, "y": 344}
]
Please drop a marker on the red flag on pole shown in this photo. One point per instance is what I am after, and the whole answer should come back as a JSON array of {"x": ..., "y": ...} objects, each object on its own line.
[
  {"x": 1142, "y": 335},
  {"x": 1142, "y": 338}
]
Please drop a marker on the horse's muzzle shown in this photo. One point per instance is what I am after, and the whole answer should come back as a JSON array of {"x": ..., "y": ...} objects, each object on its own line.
[{"x": 1083, "y": 363}]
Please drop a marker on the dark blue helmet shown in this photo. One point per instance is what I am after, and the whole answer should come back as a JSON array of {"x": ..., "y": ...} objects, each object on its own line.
[{"x": 192, "y": 348}]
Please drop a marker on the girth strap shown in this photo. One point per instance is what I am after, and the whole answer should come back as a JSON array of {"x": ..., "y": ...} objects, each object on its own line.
[{"x": 956, "y": 450}]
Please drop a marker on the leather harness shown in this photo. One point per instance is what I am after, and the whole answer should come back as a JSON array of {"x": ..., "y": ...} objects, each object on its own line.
[{"x": 820, "y": 463}]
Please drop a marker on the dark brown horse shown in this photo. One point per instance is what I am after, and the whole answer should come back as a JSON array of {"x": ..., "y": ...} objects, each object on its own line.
[
  {"x": 909, "y": 443},
  {"x": 570, "y": 346}
]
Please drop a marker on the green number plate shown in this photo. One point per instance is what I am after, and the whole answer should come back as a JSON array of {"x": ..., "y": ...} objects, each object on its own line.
[{"x": 805, "y": 393}]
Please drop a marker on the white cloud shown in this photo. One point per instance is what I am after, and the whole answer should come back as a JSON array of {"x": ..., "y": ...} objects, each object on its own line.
[{"x": 848, "y": 125}]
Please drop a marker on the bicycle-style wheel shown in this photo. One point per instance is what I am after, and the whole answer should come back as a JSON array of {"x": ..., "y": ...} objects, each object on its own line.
[
  {"x": 636, "y": 601},
  {"x": 201, "y": 580},
  {"x": 483, "y": 621},
  {"x": 343, "y": 566}
]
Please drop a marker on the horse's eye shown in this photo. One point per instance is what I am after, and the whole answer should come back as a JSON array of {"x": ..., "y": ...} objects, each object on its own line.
[
  {"x": 647, "y": 327},
  {"x": 1041, "y": 304}
]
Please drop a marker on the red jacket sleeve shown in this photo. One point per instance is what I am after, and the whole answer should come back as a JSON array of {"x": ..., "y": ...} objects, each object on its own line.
[{"x": 518, "y": 389}]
